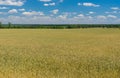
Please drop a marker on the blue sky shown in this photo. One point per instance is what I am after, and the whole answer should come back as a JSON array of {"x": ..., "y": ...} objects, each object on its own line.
[{"x": 60, "y": 11}]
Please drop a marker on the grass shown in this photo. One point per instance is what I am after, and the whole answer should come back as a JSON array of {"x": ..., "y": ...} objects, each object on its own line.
[{"x": 47, "y": 53}]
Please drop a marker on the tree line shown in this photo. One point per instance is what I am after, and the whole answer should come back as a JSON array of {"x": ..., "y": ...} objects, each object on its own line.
[{"x": 58, "y": 26}]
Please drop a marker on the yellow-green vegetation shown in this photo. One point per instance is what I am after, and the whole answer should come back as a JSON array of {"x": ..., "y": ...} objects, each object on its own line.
[{"x": 48, "y": 53}]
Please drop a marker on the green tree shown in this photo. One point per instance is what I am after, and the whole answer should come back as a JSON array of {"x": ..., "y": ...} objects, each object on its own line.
[
  {"x": 0, "y": 24},
  {"x": 9, "y": 24}
]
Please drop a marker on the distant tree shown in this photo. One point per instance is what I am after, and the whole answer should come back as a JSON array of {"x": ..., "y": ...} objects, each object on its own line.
[
  {"x": 9, "y": 24},
  {"x": 0, "y": 24}
]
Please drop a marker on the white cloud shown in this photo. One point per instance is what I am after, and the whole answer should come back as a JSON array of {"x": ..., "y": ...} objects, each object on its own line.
[
  {"x": 45, "y": 0},
  {"x": 107, "y": 12},
  {"x": 115, "y": 8},
  {"x": 12, "y": 2},
  {"x": 112, "y": 12},
  {"x": 81, "y": 15},
  {"x": 27, "y": 20},
  {"x": 112, "y": 16},
  {"x": 3, "y": 7},
  {"x": 55, "y": 11},
  {"x": 46, "y": 4},
  {"x": 33, "y": 13},
  {"x": 91, "y": 12},
  {"x": 79, "y": 4},
  {"x": 101, "y": 17},
  {"x": 60, "y": 19},
  {"x": 50, "y": 4},
  {"x": 88, "y": 4},
  {"x": 63, "y": 16},
  {"x": 90, "y": 17},
  {"x": 12, "y": 11},
  {"x": 21, "y": 9}
]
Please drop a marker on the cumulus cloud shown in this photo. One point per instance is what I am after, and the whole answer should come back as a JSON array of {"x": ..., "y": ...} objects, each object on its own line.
[
  {"x": 91, "y": 12},
  {"x": 21, "y": 9},
  {"x": 50, "y": 4},
  {"x": 115, "y": 8},
  {"x": 3, "y": 7},
  {"x": 32, "y": 13},
  {"x": 62, "y": 16},
  {"x": 112, "y": 12},
  {"x": 81, "y": 15},
  {"x": 55, "y": 11},
  {"x": 46, "y": 4},
  {"x": 101, "y": 17},
  {"x": 12, "y": 2},
  {"x": 79, "y": 4},
  {"x": 61, "y": 19},
  {"x": 88, "y": 4},
  {"x": 112, "y": 16},
  {"x": 45, "y": 0},
  {"x": 12, "y": 11}
]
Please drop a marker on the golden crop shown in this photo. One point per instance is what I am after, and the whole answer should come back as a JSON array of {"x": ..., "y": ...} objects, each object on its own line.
[{"x": 48, "y": 53}]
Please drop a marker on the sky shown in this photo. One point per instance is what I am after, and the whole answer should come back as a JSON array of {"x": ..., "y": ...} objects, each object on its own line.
[{"x": 60, "y": 11}]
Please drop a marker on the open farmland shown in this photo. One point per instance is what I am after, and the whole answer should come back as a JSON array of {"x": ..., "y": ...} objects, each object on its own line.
[{"x": 60, "y": 53}]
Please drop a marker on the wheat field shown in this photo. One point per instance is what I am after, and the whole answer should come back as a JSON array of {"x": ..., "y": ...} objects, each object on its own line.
[{"x": 60, "y": 53}]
